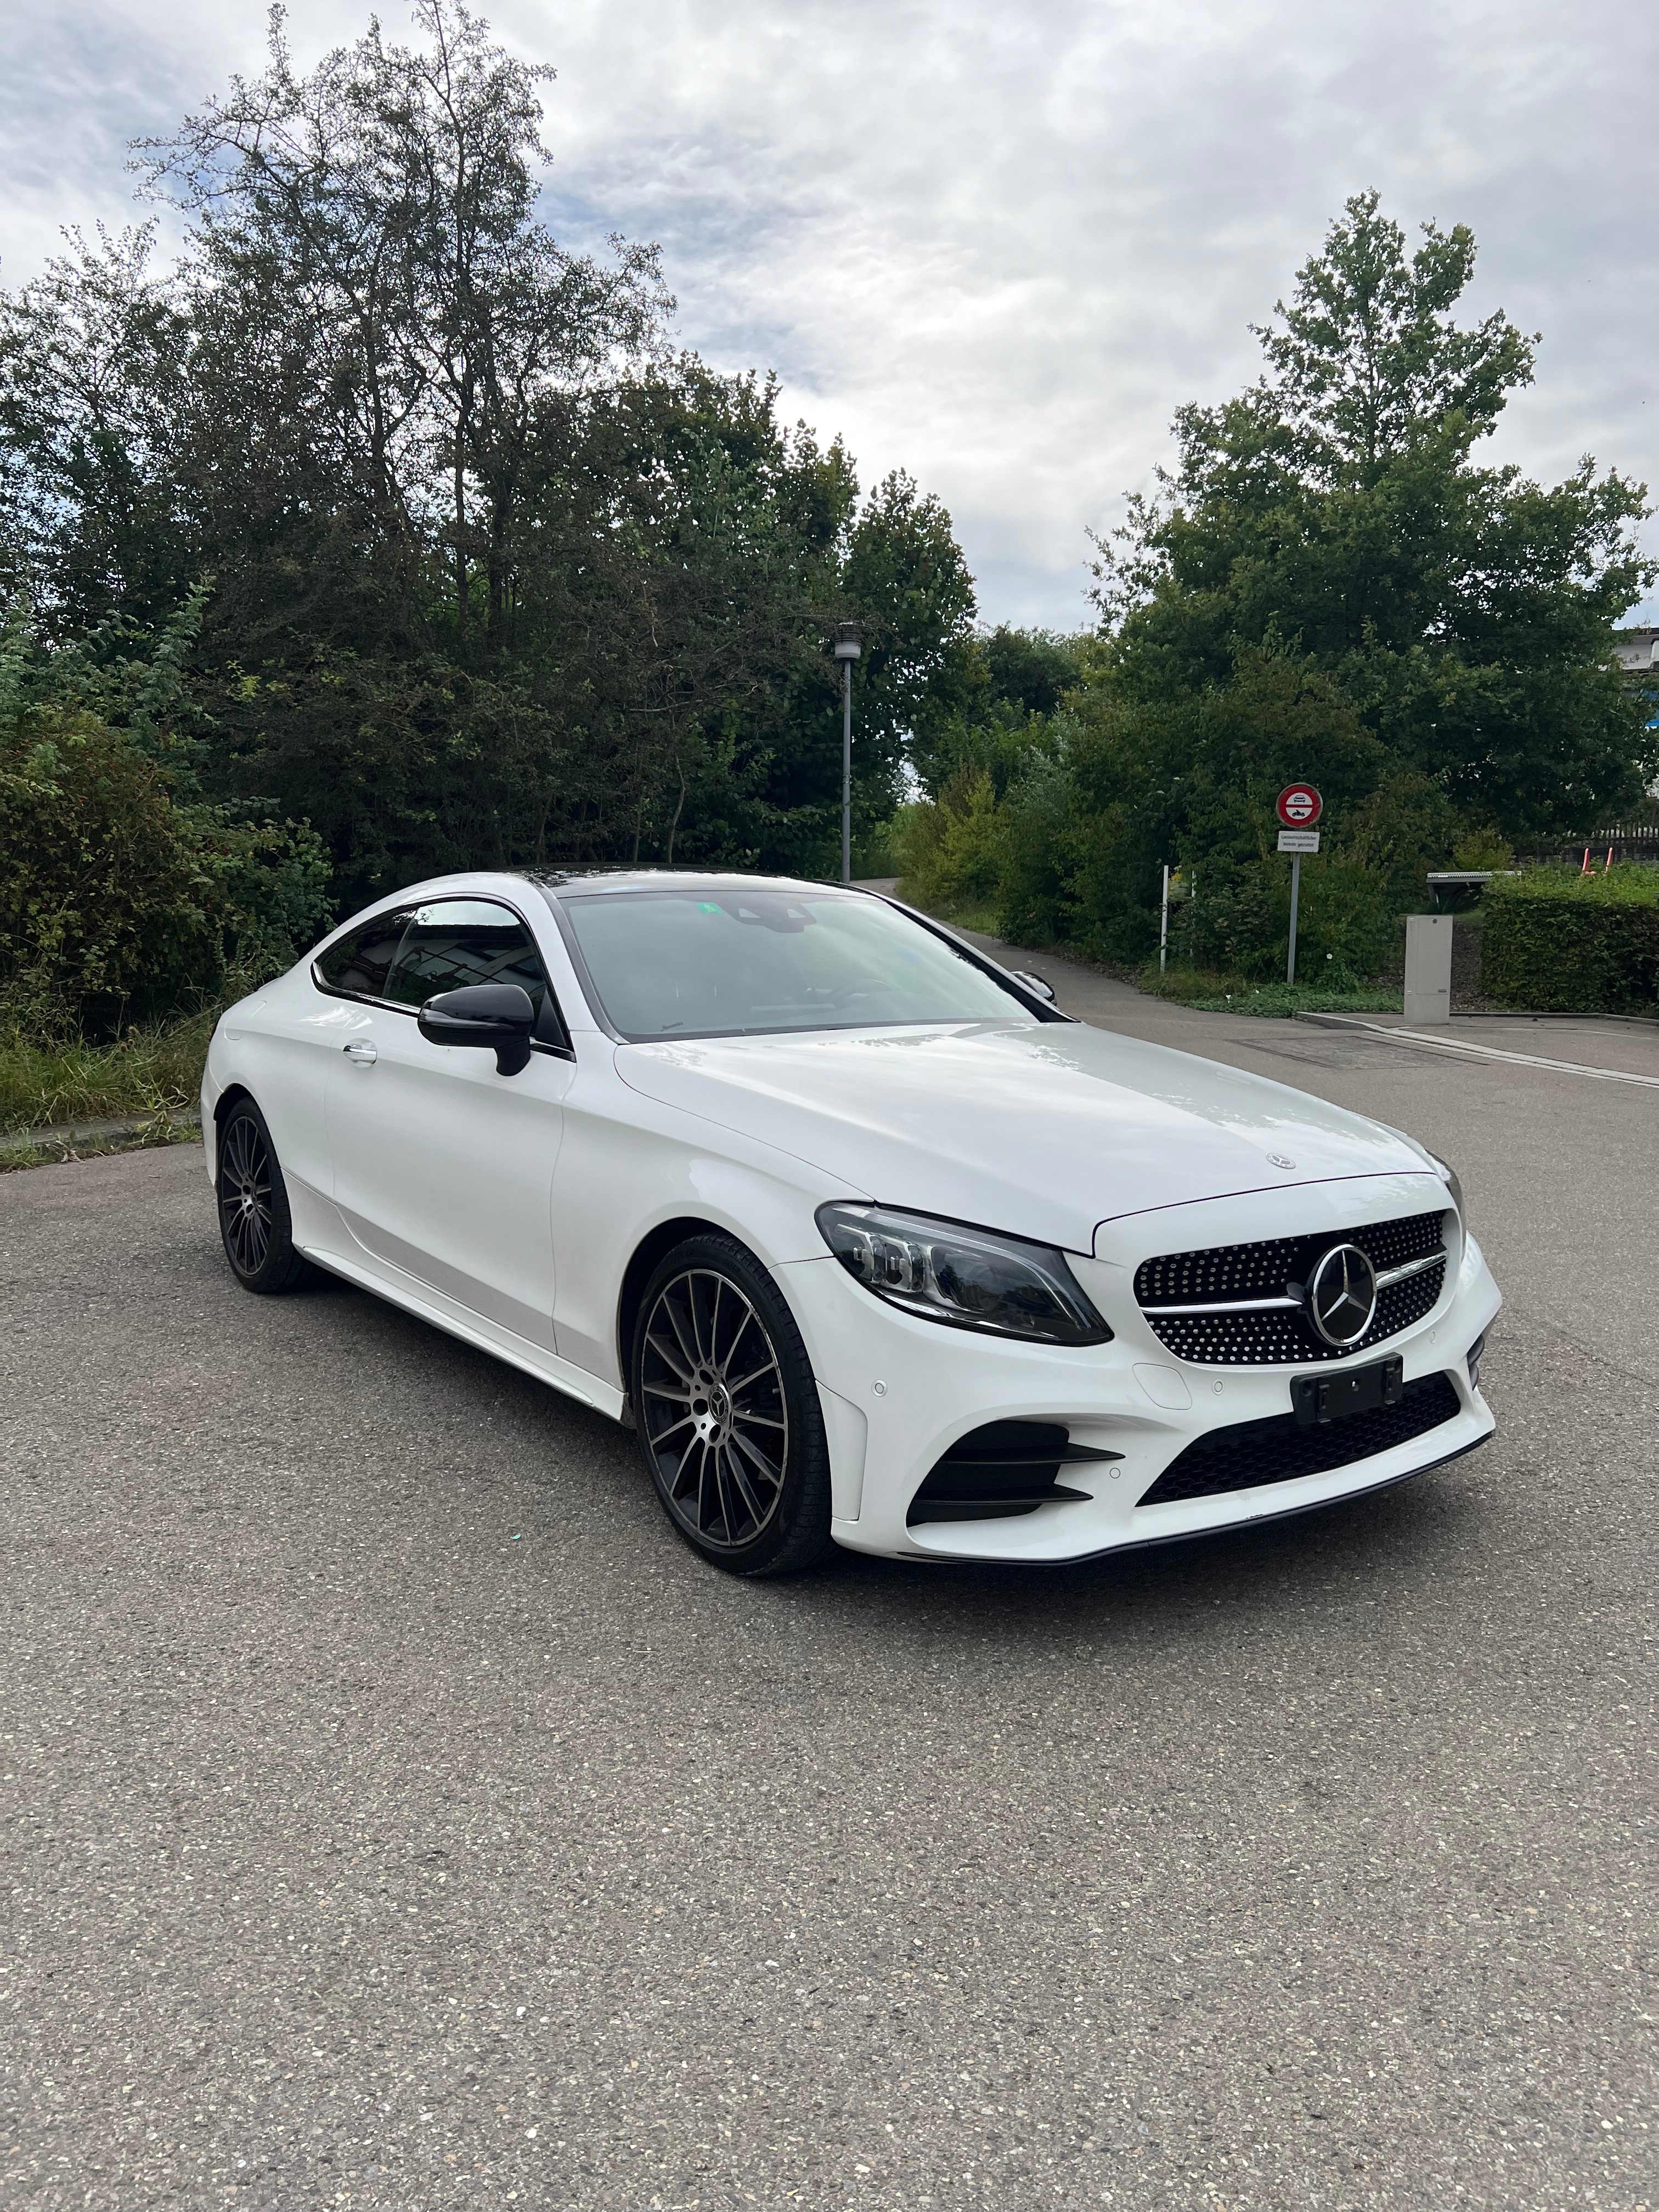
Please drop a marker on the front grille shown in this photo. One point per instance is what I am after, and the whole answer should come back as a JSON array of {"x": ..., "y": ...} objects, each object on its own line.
[
  {"x": 1276, "y": 1336},
  {"x": 1252, "y": 1453}
]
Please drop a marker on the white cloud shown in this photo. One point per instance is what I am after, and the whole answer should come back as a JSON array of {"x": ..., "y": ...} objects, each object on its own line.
[{"x": 1000, "y": 245}]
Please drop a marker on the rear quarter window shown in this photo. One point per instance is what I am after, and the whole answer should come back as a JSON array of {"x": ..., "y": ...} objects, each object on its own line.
[{"x": 361, "y": 963}]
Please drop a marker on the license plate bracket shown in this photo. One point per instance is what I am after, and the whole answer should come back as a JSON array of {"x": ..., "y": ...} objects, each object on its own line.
[{"x": 1317, "y": 1398}]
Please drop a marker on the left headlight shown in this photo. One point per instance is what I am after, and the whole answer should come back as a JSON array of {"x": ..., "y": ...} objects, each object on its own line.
[{"x": 966, "y": 1278}]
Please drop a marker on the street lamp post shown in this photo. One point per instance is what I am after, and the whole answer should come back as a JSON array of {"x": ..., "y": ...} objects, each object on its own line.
[{"x": 846, "y": 650}]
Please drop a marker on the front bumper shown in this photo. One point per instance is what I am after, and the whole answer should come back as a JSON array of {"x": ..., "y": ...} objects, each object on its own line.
[{"x": 898, "y": 1392}]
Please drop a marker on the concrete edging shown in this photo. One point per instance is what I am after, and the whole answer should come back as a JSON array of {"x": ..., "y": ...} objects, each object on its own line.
[
  {"x": 1472, "y": 1051},
  {"x": 68, "y": 1135}
]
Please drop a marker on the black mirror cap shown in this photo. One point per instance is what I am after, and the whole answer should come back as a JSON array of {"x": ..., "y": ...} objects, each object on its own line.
[
  {"x": 1043, "y": 988},
  {"x": 497, "y": 1016}
]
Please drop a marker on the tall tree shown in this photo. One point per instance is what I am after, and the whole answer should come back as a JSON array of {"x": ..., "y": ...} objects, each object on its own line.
[
  {"x": 385, "y": 206},
  {"x": 93, "y": 518},
  {"x": 495, "y": 576},
  {"x": 1337, "y": 510}
]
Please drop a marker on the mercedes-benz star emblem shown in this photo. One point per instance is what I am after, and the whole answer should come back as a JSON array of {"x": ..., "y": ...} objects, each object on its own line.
[
  {"x": 1279, "y": 1160},
  {"x": 1342, "y": 1295}
]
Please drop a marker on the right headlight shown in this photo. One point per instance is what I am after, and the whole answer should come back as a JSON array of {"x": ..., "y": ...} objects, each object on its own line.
[
  {"x": 966, "y": 1278},
  {"x": 1452, "y": 1184}
]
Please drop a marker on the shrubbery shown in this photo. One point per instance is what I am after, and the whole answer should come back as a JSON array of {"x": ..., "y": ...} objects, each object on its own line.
[
  {"x": 126, "y": 895},
  {"x": 1108, "y": 788},
  {"x": 1555, "y": 941},
  {"x": 117, "y": 901}
]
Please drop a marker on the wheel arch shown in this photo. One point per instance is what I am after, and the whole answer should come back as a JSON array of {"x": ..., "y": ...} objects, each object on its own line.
[
  {"x": 653, "y": 1246},
  {"x": 229, "y": 1096}
]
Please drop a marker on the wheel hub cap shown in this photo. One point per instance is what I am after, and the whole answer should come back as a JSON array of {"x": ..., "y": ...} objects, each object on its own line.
[{"x": 711, "y": 1407}]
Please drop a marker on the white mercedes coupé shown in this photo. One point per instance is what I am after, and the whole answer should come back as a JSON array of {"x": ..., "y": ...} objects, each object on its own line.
[{"x": 868, "y": 1241}]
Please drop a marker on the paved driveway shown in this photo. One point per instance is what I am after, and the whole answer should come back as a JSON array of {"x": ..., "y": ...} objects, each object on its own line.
[{"x": 396, "y": 1816}]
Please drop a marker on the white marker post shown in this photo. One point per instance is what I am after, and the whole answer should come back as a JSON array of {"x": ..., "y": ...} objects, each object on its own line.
[{"x": 1164, "y": 926}]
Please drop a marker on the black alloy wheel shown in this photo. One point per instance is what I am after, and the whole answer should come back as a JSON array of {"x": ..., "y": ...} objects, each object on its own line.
[
  {"x": 253, "y": 1215},
  {"x": 729, "y": 1412}
]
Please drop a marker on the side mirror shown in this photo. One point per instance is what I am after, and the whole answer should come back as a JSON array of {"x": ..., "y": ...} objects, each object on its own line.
[
  {"x": 497, "y": 1016},
  {"x": 1034, "y": 983}
]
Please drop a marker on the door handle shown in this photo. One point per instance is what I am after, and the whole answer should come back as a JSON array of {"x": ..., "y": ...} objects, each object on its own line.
[{"x": 362, "y": 1049}]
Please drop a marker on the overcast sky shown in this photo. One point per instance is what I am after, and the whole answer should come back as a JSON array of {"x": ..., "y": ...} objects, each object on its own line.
[{"x": 999, "y": 245}]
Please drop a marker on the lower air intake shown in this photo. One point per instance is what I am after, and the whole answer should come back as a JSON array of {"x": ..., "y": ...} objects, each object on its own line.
[
  {"x": 1007, "y": 1468},
  {"x": 1252, "y": 1453}
]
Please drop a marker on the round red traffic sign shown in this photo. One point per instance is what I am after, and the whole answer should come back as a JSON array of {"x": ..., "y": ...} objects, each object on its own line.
[{"x": 1298, "y": 806}]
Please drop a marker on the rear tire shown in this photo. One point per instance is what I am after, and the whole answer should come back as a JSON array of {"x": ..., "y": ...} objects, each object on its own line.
[
  {"x": 254, "y": 1220},
  {"x": 728, "y": 1412}
]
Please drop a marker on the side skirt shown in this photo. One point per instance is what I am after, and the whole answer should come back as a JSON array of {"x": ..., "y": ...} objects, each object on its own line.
[{"x": 530, "y": 1358}]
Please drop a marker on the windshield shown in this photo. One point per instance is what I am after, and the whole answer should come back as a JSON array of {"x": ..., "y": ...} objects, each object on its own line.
[{"x": 726, "y": 964}]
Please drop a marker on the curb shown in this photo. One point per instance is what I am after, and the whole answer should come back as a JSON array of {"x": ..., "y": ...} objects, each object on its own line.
[
  {"x": 66, "y": 1135},
  {"x": 1502, "y": 1014},
  {"x": 1469, "y": 1050}
]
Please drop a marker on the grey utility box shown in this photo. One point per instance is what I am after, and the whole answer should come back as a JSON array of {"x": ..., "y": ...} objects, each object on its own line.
[{"x": 1428, "y": 967}]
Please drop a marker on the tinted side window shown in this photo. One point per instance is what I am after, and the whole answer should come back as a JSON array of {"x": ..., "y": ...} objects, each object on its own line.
[
  {"x": 455, "y": 942},
  {"x": 362, "y": 960}
]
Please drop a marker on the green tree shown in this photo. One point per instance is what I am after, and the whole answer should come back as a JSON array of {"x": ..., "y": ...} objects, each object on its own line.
[
  {"x": 1336, "y": 511},
  {"x": 990, "y": 703},
  {"x": 497, "y": 578},
  {"x": 93, "y": 520}
]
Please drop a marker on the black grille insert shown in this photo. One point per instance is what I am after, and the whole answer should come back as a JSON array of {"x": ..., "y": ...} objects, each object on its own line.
[
  {"x": 1252, "y": 1453},
  {"x": 1279, "y": 1336},
  {"x": 1005, "y": 1469}
]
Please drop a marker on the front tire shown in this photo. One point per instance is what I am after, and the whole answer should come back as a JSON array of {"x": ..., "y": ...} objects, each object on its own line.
[
  {"x": 728, "y": 1413},
  {"x": 254, "y": 1220}
]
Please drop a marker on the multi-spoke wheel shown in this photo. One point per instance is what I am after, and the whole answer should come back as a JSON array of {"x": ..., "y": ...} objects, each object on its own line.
[
  {"x": 253, "y": 1215},
  {"x": 728, "y": 1412}
]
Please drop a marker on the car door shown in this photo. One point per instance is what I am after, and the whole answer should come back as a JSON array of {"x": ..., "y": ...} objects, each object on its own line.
[{"x": 442, "y": 1168}]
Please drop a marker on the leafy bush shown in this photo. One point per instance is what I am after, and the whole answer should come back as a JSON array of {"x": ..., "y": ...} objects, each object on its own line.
[
  {"x": 117, "y": 901},
  {"x": 1031, "y": 905},
  {"x": 1237, "y": 994},
  {"x": 950, "y": 852},
  {"x": 1557, "y": 942}
]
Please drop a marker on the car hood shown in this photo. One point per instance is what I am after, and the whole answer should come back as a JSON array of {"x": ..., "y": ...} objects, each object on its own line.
[{"x": 1045, "y": 1129}]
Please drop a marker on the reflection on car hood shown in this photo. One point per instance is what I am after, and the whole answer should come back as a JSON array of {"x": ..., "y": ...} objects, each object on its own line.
[{"x": 1042, "y": 1129}]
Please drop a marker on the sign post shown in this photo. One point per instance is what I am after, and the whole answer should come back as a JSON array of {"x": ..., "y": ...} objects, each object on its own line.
[{"x": 1298, "y": 806}]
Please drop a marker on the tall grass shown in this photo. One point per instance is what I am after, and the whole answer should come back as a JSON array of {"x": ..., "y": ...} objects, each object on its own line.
[{"x": 150, "y": 1070}]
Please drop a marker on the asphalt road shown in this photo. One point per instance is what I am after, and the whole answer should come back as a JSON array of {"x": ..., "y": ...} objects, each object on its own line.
[{"x": 396, "y": 1815}]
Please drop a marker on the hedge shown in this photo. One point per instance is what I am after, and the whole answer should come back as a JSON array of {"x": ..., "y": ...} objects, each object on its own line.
[{"x": 1556, "y": 942}]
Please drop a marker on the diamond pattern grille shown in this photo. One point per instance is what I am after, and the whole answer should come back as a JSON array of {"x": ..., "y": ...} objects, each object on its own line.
[{"x": 1281, "y": 1337}]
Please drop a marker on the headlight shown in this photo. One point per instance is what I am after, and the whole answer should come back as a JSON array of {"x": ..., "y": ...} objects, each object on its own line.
[
  {"x": 966, "y": 1278},
  {"x": 1452, "y": 1184}
]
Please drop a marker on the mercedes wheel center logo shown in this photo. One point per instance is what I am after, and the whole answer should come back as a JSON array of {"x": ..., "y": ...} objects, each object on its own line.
[{"x": 1342, "y": 1295}]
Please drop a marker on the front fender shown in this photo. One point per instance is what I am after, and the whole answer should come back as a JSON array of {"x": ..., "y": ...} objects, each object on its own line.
[{"x": 628, "y": 1165}]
